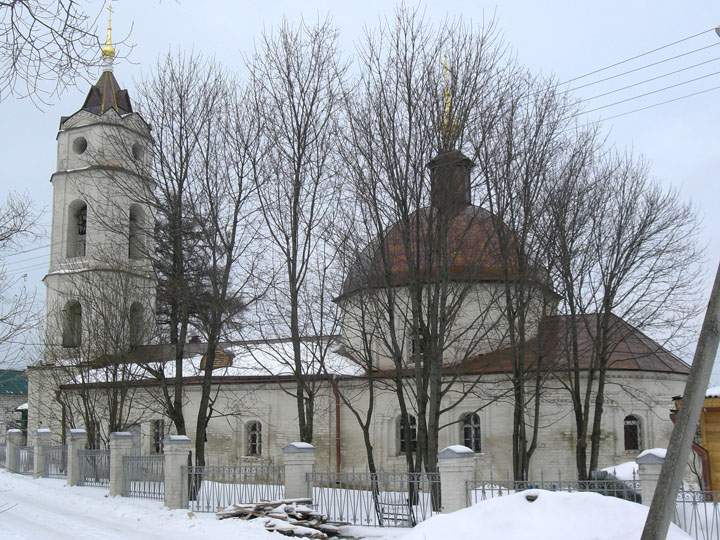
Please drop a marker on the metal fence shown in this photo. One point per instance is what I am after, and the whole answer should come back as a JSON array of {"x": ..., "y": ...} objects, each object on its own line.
[
  {"x": 55, "y": 461},
  {"x": 385, "y": 499},
  {"x": 215, "y": 487},
  {"x": 24, "y": 459},
  {"x": 483, "y": 489},
  {"x": 94, "y": 467},
  {"x": 144, "y": 476},
  {"x": 2, "y": 455},
  {"x": 698, "y": 514}
]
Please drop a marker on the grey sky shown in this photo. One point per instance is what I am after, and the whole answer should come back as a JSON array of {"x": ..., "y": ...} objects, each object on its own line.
[{"x": 563, "y": 37}]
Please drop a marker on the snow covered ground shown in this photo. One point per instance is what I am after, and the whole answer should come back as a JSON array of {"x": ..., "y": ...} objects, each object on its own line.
[
  {"x": 551, "y": 516},
  {"x": 46, "y": 509}
]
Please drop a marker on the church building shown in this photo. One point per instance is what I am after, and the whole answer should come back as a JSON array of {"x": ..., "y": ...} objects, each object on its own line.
[{"x": 98, "y": 231}]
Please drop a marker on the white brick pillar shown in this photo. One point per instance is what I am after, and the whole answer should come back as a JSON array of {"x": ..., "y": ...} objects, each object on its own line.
[
  {"x": 299, "y": 460},
  {"x": 42, "y": 442},
  {"x": 176, "y": 449},
  {"x": 650, "y": 465},
  {"x": 75, "y": 442},
  {"x": 456, "y": 465},
  {"x": 14, "y": 439},
  {"x": 121, "y": 445}
]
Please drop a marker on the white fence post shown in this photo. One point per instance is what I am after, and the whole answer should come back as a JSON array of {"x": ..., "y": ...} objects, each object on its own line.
[
  {"x": 650, "y": 466},
  {"x": 176, "y": 449},
  {"x": 42, "y": 442},
  {"x": 121, "y": 445},
  {"x": 14, "y": 439},
  {"x": 456, "y": 465},
  {"x": 75, "y": 442},
  {"x": 299, "y": 459}
]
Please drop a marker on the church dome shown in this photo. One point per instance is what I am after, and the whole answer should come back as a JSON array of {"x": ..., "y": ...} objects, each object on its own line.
[{"x": 474, "y": 239}]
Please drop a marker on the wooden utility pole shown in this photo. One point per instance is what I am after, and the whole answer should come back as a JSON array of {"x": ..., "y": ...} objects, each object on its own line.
[{"x": 662, "y": 507}]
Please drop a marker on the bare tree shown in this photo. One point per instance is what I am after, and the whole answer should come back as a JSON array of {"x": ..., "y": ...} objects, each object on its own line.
[
  {"x": 414, "y": 303},
  {"x": 226, "y": 216},
  {"x": 297, "y": 92},
  {"x": 17, "y": 302},
  {"x": 45, "y": 47},
  {"x": 625, "y": 260}
]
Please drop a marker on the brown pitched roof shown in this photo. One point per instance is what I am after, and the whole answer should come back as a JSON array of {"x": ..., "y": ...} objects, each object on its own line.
[
  {"x": 630, "y": 349},
  {"x": 106, "y": 94}
]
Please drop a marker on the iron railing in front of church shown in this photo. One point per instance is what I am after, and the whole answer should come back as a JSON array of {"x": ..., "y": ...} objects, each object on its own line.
[
  {"x": 94, "y": 467},
  {"x": 214, "y": 487},
  {"x": 698, "y": 513},
  {"x": 382, "y": 499},
  {"x": 479, "y": 490},
  {"x": 24, "y": 459},
  {"x": 144, "y": 476},
  {"x": 55, "y": 461}
]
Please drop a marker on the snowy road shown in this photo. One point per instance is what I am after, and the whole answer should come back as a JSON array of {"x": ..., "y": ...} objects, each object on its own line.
[{"x": 47, "y": 509}]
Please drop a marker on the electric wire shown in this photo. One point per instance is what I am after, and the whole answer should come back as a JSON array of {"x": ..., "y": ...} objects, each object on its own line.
[{"x": 625, "y": 61}]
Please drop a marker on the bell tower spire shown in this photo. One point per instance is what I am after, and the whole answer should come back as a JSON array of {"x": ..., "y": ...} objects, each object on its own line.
[{"x": 107, "y": 48}]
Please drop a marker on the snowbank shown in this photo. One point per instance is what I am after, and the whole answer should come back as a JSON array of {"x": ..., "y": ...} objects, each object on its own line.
[
  {"x": 46, "y": 509},
  {"x": 627, "y": 471},
  {"x": 551, "y": 516}
]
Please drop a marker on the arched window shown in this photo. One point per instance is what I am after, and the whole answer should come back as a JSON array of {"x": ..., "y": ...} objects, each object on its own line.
[
  {"x": 76, "y": 229},
  {"x": 136, "y": 324},
  {"x": 135, "y": 232},
  {"x": 72, "y": 324},
  {"x": 632, "y": 433},
  {"x": 408, "y": 440},
  {"x": 471, "y": 431},
  {"x": 254, "y": 439}
]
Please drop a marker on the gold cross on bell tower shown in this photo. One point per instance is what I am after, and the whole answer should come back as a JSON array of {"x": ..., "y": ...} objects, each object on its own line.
[{"x": 108, "y": 49}]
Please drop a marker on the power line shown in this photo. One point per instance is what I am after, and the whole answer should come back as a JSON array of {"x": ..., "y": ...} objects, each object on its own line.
[
  {"x": 28, "y": 250},
  {"x": 625, "y": 61},
  {"x": 644, "y": 67},
  {"x": 652, "y": 106},
  {"x": 646, "y": 94},
  {"x": 651, "y": 79}
]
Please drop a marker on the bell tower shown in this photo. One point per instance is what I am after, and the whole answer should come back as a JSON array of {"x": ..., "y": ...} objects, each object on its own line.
[{"x": 100, "y": 274}]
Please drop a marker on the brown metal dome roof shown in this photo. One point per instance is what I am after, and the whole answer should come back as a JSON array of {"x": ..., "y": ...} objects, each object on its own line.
[{"x": 472, "y": 253}]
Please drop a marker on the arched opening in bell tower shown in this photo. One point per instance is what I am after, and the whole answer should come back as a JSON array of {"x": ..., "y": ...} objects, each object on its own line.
[
  {"x": 76, "y": 229},
  {"x": 135, "y": 232},
  {"x": 72, "y": 324}
]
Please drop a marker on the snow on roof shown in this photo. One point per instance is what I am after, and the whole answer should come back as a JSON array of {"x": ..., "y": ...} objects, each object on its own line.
[
  {"x": 23, "y": 407},
  {"x": 713, "y": 391},
  {"x": 251, "y": 359},
  {"x": 546, "y": 516},
  {"x": 627, "y": 471}
]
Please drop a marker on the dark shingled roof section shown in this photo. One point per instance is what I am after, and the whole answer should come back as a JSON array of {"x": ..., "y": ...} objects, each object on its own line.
[
  {"x": 630, "y": 349},
  {"x": 106, "y": 94},
  {"x": 13, "y": 382}
]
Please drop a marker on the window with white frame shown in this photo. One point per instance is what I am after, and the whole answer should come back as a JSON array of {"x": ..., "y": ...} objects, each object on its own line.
[
  {"x": 471, "y": 432},
  {"x": 254, "y": 438}
]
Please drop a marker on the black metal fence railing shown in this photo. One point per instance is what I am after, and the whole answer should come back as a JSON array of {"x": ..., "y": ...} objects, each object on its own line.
[
  {"x": 384, "y": 499},
  {"x": 479, "y": 490},
  {"x": 214, "y": 487},
  {"x": 698, "y": 513},
  {"x": 24, "y": 459},
  {"x": 55, "y": 461},
  {"x": 144, "y": 476},
  {"x": 94, "y": 467}
]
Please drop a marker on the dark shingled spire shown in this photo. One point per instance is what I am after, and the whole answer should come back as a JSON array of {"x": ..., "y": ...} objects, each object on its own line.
[{"x": 106, "y": 94}]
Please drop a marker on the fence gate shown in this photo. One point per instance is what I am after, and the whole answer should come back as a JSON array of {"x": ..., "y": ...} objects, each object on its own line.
[
  {"x": 94, "y": 467},
  {"x": 214, "y": 487},
  {"x": 384, "y": 499},
  {"x": 24, "y": 459},
  {"x": 55, "y": 461},
  {"x": 144, "y": 477}
]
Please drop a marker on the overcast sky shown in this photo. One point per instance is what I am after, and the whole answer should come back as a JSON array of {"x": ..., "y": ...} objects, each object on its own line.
[{"x": 566, "y": 38}]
